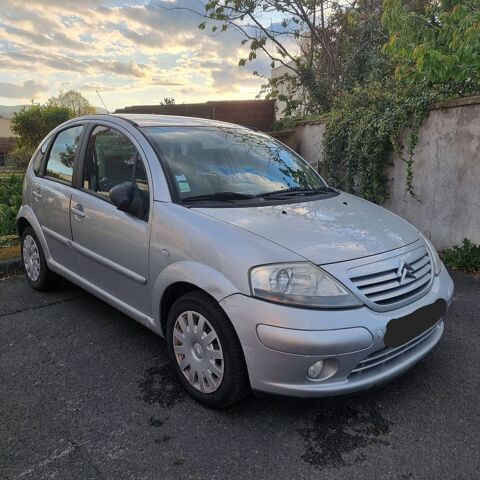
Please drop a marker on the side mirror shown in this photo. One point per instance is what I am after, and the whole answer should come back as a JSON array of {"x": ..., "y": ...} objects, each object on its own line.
[
  {"x": 128, "y": 198},
  {"x": 122, "y": 195}
]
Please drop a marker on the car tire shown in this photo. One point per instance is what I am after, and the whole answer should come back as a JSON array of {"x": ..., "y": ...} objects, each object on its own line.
[
  {"x": 39, "y": 276},
  {"x": 199, "y": 333}
]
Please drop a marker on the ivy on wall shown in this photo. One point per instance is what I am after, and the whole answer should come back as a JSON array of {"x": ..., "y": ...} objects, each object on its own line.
[{"x": 364, "y": 127}]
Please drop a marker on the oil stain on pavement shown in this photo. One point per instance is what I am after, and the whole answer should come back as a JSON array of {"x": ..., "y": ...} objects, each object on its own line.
[
  {"x": 158, "y": 386},
  {"x": 339, "y": 430}
]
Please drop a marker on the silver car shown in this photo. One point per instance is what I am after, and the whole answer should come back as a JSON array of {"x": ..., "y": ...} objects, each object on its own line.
[{"x": 224, "y": 241}]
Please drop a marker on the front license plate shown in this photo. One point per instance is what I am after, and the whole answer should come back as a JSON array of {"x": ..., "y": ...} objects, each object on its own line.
[{"x": 403, "y": 329}]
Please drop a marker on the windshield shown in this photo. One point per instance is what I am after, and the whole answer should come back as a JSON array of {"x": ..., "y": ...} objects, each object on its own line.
[{"x": 224, "y": 162}]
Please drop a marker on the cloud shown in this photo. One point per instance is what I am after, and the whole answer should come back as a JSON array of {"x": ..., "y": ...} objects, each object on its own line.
[
  {"x": 128, "y": 68},
  {"x": 126, "y": 47},
  {"x": 27, "y": 89}
]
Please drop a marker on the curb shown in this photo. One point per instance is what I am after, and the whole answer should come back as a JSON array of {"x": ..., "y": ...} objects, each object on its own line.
[{"x": 9, "y": 266}]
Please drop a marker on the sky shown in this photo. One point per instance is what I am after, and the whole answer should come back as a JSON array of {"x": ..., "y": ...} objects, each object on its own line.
[{"x": 133, "y": 52}]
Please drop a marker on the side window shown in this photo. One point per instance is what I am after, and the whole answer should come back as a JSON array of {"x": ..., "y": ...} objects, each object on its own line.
[
  {"x": 62, "y": 154},
  {"x": 112, "y": 159}
]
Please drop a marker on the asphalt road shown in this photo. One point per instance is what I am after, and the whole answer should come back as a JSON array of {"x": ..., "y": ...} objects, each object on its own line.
[{"x": 87, "y": 393}]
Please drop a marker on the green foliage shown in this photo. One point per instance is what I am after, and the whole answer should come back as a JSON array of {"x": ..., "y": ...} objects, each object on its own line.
[
  {"x": 465, "y": 257},
  {"x": 363, "y": 128},
  {"x": 74, "y": 101},
  {"x": 168, "y": 101},
  {"x": 324, "y": 46},
  {"x": 436, "y": 48},
  {"x": 31, "y": 125},
  {"x": 439, "y": 44},
  {"x": 20, "y": 156},
  {"x": 10, "y": 202}
]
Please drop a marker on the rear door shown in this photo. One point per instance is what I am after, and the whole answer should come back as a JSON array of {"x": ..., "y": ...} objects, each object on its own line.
[
  {"x": 52, "y": 193},
  {"x": 112, "y": 246}
]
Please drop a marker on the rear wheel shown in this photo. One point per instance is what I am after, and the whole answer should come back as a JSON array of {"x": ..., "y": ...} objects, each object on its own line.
[
  {"x": 39, "y": 276},
  {"x": 205, "y": 351}
]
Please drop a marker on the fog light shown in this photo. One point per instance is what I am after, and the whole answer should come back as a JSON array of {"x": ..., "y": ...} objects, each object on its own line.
[{"x": 315, "y": 369}]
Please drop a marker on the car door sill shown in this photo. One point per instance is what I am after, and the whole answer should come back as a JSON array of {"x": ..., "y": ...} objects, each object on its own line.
[{"x": 140, "y": 317}]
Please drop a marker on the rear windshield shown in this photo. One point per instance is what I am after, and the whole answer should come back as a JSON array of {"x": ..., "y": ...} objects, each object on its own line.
[{"x": 213, "y": 160}]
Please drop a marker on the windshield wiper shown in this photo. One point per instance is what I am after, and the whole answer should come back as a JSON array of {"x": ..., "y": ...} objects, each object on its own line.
[
  {"x": 293, "y": 191},
  {"x": 227, "y": 196}
]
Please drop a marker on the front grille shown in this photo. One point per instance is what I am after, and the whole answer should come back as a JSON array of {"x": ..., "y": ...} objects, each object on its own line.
[
  {"x": 381, "y": 357},
  {"x": 379, "y": 282}
]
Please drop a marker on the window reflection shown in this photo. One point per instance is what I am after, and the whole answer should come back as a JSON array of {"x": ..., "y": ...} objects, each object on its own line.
[{"x": 208, "y": 160}]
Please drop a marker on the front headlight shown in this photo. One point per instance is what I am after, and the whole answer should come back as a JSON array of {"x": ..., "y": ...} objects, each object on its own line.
[
  {"x": 301, "y": 284},
  {"x": 437, "y": 262}
]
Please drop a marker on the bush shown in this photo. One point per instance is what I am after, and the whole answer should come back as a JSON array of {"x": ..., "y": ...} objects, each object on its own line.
[
  {"x": 465, "y": 257},
  {"x": 10, "y": 202},
  {"x": 19, "y": 157}
]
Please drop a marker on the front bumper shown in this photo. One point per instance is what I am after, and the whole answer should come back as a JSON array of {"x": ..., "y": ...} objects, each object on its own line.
[{"x": 281, "y": 342}]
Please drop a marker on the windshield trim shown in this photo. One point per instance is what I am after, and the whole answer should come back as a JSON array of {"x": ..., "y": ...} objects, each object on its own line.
[{"x": 240, "y": 203}]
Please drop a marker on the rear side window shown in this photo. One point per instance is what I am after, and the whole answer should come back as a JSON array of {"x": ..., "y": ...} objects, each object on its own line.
[
  {"x": 37, "y": 161},
  {"x": 112, "y": 159},
  {"x": 62, "y": 154}
]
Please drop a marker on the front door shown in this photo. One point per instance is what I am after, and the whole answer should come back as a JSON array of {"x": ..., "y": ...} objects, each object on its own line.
[
  {"x": 112, "y": 247},
  {"x": 52, "y": 192}
]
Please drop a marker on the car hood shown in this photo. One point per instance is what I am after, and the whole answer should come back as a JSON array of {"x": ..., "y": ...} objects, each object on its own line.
[{"x": 323, "y": 231}]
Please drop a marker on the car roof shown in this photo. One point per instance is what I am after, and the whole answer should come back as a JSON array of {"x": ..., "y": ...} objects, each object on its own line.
[{"x": 151, "y": 120}]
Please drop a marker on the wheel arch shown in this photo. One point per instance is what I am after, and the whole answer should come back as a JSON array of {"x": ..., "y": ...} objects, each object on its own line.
[
  {"x": 26, "y": 218},
  {"x": 172, "y": 293},
  {"x": 183, "y": 277},
  {"x": 21, "y": 224}
]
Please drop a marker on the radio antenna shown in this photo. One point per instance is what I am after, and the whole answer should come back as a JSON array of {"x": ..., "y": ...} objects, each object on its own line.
[{"x": 103, "y": 103}]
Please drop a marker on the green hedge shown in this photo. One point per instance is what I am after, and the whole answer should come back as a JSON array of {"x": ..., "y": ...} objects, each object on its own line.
[{"x": 10, "y": 202}]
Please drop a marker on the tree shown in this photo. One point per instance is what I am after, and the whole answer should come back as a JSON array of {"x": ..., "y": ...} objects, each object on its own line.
[
  {"x": 322, "y": 44},
  {"x": 73, "y": 100},
  {"x": 437, "y": 44},
  {"x": 31, "y": 125},
  {"x": 167, "y": 101}
]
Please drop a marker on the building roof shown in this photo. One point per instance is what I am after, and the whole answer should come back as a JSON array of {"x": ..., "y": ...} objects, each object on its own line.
[{"x": 256, "y": 114}]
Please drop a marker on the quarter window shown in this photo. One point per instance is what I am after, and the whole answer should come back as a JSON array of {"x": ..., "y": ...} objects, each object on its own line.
[
  {"x": 37, "y": 161},
  {"x": 62, "y": 154},
  {"x": 112, "y": 159}
]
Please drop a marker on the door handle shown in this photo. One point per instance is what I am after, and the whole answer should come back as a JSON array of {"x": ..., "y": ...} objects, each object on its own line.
[
  {"x": 36, "y": 192},
  {"x": 78, "y": 210}
]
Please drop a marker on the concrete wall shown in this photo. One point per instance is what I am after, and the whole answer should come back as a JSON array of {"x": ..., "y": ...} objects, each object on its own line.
[
  {"x": 6, "y": 140},
  {"x": 309, "y": 143},
  {"x": 446, "y": 175}
]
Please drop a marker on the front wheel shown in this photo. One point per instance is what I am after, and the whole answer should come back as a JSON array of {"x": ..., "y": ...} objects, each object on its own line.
[{"x": 205, "y": 351}]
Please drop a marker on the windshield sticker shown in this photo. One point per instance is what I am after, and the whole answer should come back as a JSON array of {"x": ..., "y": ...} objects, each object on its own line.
[{"x": 183, "y": 184}]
